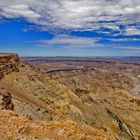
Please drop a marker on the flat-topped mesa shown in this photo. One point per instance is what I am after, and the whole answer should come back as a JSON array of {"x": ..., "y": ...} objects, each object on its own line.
[{"x": 9, "y": 58}]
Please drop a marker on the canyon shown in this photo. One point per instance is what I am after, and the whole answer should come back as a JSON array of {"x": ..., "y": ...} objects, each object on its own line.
[{"x": 69, "y": 98}]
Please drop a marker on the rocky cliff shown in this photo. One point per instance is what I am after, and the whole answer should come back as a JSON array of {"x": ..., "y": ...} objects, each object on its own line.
[
  {"x": 8, "y": 64},
  {"x": 94, "y": 98},
  {"x": 8, "y": 58},
  {"x": 33, "y": 96}
]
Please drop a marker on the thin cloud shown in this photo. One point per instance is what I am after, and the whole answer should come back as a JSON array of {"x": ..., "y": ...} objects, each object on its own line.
[
  {"x": 123, "y": 39},
  {"x": 132, "y": 31},
  {"x": 69, "y": 42},
  {"x": 129, "y": 48}
]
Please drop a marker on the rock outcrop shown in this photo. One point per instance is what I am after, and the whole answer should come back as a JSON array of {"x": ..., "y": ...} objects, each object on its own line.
[
  {"x": 6, "y": 100},
  {"x": 8, "y": 58},
  {"x": 8, "y": 63}
]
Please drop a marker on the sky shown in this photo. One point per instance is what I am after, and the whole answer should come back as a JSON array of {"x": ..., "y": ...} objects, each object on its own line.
[{"x": 70, "y": 27}]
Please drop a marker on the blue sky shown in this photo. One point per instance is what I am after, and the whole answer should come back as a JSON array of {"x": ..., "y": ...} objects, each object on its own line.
[{"x": 70, "y": 27}]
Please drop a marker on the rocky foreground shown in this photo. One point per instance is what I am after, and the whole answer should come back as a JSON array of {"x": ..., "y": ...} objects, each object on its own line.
[
  {"x": 14, "y": 127},
  {"x": 88, "y": 103}
]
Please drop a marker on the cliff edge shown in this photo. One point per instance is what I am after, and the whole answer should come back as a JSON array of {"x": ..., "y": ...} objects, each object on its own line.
[{"x": 8, "y": 58}]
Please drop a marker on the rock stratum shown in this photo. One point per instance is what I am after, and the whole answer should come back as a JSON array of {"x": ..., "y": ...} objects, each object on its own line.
[
  {"x": 9, "y": 58},
  {"x": 95, "y": 102}
]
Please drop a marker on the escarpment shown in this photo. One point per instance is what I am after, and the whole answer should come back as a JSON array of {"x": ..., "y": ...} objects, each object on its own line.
[
  {"x": 8, "y": 64},
  {"x": 8, "y": 58},
  {"x": 75, "y": 98}
]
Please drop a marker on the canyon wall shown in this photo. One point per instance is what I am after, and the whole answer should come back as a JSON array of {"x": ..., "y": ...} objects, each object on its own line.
[
  {"x": 8, "y": 58},
  {"x": 98, "y": 98}
]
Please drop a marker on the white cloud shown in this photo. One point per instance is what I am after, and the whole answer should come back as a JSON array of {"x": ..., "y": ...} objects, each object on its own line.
[
  {"x": 20, "y": 10},
  {"x": 69, "y": 42},
  {"x": 74, "y": 14},
  {"x": 132, "y": 31}
]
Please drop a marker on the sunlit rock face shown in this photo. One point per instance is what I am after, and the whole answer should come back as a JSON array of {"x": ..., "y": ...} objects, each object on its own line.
[
  {"x": 8, "y": 63},
  {"x": 8, "y": 58}
]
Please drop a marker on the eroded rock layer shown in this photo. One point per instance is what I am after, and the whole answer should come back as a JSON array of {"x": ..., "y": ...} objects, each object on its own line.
[
  {"x": 86, "y": 102},
  {"x": 8, "y": 58}
]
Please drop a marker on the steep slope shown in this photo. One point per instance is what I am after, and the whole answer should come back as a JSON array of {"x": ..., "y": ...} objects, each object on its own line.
[{"x": 87, "y": 97}]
